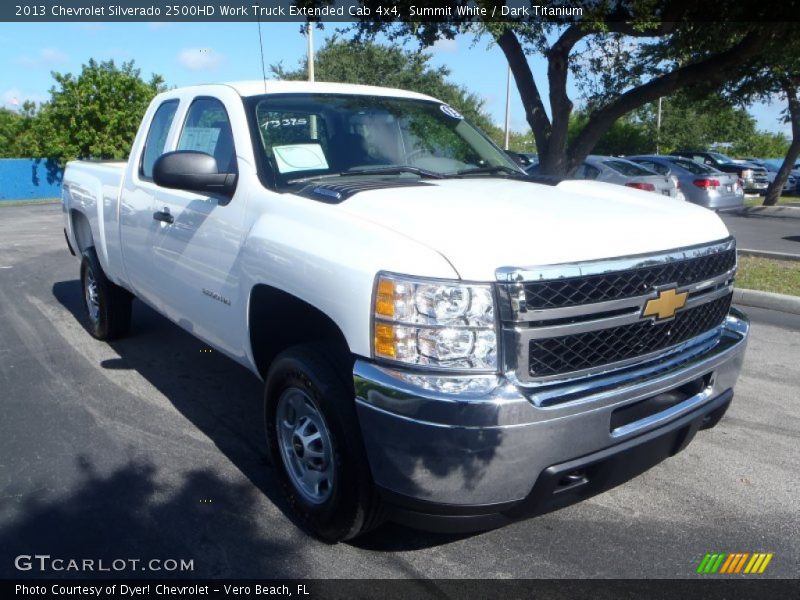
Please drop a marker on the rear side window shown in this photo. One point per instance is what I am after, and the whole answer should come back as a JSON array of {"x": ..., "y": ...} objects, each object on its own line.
[
  {"x": 587, "y": 171},
  {"x": 653, "y": 166},
  {"x": 627, "y": 168},
  {"x": 693, "y": 167},
  {"x": 157, "y": 136},
  {"x": 208, "y": 129}
]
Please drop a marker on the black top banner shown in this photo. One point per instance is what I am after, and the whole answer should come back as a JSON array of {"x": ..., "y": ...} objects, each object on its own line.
[{"x": 454, "y": 11}]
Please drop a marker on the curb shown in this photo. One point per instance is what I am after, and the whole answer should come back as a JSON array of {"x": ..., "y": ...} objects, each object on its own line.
[
  {"x": 768, "y": 300},
  {"x": 768, "y": 254},
  {"x": 779, "y": 212}
]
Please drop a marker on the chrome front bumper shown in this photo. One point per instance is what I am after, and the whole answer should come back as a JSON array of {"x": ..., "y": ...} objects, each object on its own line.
[{"x": 483, "y": 442}]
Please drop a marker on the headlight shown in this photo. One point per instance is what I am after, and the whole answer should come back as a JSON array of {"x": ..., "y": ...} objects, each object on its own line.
[{"x": 440, "y": 324}]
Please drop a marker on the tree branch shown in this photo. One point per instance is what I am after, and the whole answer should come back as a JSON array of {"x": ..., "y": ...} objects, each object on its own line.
[
  {"x": 529, "y": 93},
  {"x": 714, "y": 70}
]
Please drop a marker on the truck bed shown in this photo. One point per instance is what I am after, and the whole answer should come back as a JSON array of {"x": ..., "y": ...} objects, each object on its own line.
[{"x": 91, "y": 189}]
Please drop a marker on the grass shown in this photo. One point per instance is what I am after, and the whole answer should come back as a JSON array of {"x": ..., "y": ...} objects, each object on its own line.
[
  {"x": 29, "y": 201},
  {"x": 769, "y": 275},
  {"x": 759, "y": 200}
]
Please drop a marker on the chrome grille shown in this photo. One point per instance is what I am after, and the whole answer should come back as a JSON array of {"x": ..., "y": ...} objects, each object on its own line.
[
  {"x": 574, "y": 320},
  {"x": 551, "y": 356},
  {"x": 612, "y": 286}
]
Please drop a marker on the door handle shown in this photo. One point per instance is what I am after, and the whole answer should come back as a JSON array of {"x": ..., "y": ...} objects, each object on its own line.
[{"x": 163, "y": 216}]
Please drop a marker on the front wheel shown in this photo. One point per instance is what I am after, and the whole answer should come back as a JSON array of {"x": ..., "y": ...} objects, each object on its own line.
[{"x": 315, "y": 443}]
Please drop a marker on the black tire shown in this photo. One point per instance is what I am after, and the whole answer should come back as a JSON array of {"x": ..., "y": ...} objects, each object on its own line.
[
  {"x": 108, "y": 309},
  {"x": 321, "y": 373}
]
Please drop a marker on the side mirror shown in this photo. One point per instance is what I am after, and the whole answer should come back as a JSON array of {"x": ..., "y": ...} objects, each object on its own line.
[{"x": 193, "y": 171}]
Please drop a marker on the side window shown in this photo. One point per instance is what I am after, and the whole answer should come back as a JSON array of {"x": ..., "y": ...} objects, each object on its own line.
[
  {"x": 157, "y": 136},
  {"x": 655, "y": 167},
  {"x": 586, "y": 171},
  {"x": 208, "y": 129},
  {"x": 591, "y": 172}
]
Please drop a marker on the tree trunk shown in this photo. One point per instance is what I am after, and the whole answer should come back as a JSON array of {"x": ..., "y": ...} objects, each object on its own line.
[{"x": 775, "y": 188}]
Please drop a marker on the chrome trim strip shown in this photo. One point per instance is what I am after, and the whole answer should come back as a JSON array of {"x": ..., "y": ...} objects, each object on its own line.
[
  {"x": 547, "y": 394},
  {"x": 573, "y": 376},
  {"x": 523, "y": 314},
  {"x": 599, "y": 267},
  {"x": 503, "y": 404},
  {"x": 665, "y": 415},
  {"x": 550, "y": 331}
]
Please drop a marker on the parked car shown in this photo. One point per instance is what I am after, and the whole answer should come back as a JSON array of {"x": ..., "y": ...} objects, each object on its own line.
[
  {"x": 700, "y": 184},
  {"x": 754, "y": 178},
  {"x": 792, "y": 183},
  {"x": 444, "y": 341},
  {"x": 624, "y": 172}
]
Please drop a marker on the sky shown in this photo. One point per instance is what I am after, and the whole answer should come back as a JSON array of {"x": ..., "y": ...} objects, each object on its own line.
[{"x": 192, "y": 53}]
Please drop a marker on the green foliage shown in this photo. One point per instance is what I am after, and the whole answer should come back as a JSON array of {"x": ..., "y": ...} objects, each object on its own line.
[
  {"x": 626, "y": 136},
  {"x": 92, "y": 115},
  {"x": 369, "y": 63},
  {"x": 18, "y": 135},
  {"x": 10, "y": 126},
  {"x": 688, "y": 122}
]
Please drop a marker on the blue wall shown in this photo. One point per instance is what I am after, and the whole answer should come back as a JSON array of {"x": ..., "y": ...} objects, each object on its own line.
[{"x": 29, "y": 178}]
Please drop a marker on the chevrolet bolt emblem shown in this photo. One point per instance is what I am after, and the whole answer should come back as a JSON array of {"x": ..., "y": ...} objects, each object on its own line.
[{"x": 665, "y": 305}]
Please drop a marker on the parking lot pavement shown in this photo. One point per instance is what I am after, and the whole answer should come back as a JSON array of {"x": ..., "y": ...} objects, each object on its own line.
[
  {"x": 151, "y": 448},
  {"x": 770, "y": 234}
]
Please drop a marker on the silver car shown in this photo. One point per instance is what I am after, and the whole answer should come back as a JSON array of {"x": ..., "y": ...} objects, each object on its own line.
[
  {"x": 624, "y": 172},
  {"x": 701, "y": 184}
]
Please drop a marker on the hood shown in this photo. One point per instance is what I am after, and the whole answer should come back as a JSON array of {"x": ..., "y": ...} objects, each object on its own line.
[{"x": 482, "y": 224}]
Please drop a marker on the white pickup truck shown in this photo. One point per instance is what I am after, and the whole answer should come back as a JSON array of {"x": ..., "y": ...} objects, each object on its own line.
[{"x": 444, "y": 341}]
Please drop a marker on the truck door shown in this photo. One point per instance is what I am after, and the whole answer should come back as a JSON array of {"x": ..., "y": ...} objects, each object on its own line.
[
  {"x": 138, "y": 230},
  {"x": 195, "y": 252}
]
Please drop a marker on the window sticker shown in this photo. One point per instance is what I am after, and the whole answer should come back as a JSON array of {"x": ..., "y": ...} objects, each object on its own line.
[
  {"x": 299, "y": 157},
  {"x": 450, "y": 111},
  {"x": 202, "y": 139}
]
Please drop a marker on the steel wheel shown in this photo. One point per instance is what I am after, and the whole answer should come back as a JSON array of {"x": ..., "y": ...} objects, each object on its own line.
[
  {"x": 305, "y": 445},
  {"x": 91, "y": 296}
]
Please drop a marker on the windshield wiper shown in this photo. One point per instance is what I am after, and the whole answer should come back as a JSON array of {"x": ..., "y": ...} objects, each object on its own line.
[
  {"x": 393, "y": 170},
  {"x": 390, "y": 170},
  {"x": 491, "y": 169}
]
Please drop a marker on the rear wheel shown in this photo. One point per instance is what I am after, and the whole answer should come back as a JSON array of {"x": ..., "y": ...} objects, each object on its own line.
[
  {"x": 315, "y": 443},
  {"x": 108, "y": 306}
]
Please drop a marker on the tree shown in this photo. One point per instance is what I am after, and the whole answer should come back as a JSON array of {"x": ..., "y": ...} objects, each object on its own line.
[
  {"x": 93, "y": 115},
  {"x": 10, "y": 125},
  {"x": 776, "y": 76},
  {"x": 622, "y": 53},
  {"x": 19, "y": 132},
  {"x": 368, "y": 63},
  {"x": 695, "y": 122}
]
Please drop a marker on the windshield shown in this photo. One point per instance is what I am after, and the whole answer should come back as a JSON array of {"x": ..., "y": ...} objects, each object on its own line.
[
  {"x": 628, "y": 168},
  {"x": 306, "y": 136},
  {"x": 721, "y": 157}
]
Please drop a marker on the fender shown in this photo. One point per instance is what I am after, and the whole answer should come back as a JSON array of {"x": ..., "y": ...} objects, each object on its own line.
[{"x": 298, "y": 248}]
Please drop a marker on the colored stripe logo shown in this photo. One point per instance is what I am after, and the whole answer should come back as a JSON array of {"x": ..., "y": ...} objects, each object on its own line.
[{"x": 733, "y": 563}]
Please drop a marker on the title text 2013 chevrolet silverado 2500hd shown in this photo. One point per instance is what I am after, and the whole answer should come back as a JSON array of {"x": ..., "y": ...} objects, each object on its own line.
[{"x": 444, "y": 341}]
